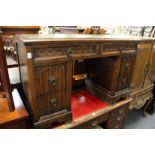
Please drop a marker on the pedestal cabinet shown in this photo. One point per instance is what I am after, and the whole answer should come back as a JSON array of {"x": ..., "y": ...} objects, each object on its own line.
[
  {"x": 144, "y": 75},
  {"x": 109, "y": 68},
  {"x": 110, "y": 77}
]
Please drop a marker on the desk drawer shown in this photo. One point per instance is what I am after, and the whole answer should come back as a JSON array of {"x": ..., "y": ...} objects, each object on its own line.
[
  {"x": 119, "y": 48},
  {"x": 63, "y": 51},
  {"x": 50, "y": 77},
  {"x": 93, "y": 123}
]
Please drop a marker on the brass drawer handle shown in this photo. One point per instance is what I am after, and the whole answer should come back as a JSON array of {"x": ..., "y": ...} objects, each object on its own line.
[
  {"x": 52, "y": 81},
  {"x": 69, "y": 52},
  {"x": 94, "y": 123},
  {"x": 53, "y": 102}
]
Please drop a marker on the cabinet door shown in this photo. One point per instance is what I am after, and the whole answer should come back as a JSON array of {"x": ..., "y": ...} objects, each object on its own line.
[
  {"x": 142, "y": 60},
  {"x": 126, "y": 70},
  {"x": 150, "y": 76},
  {"x": 53, "y": 88}
]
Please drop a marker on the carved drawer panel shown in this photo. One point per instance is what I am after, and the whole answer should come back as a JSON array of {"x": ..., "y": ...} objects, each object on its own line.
[
  {"x": 83, "y": 50},
  {"x": 50, "y": 78},
  {"x": 51, "y": 102},
  {"x": 126, "y": 70},
  {"x": 119, "y": 47}
]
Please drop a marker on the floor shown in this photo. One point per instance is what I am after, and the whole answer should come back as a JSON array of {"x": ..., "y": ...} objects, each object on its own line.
[{"x": 136, "y": 120}]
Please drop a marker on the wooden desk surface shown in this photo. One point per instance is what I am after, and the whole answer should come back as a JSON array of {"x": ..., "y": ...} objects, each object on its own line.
[
  {"x": 36, "y": 38},
  {"x": 19, "y": 114}
]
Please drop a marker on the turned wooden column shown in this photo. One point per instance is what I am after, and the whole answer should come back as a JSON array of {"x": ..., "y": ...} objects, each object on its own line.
[{"x": 5, "y": 77}]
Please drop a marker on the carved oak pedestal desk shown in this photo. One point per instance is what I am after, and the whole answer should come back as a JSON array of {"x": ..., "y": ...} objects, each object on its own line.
[{"x": 112, "y": 68}]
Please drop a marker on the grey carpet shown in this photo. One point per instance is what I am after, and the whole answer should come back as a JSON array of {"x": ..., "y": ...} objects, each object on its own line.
[{"x": 136, "y": 120}]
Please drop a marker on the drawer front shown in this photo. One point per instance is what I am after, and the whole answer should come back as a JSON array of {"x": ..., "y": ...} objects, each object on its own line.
[
  {"x": 125, "y": 74},
  {"x": 55, "y": 52},
  {"x": 93, "y": 122},
  {"x": 52, "y": 88},
  {"x": 117, "y": 117},
  {"x": 118, "y": 48},
  {"x": 50, "y": 78},
  {"x": 51, "y": 102}
]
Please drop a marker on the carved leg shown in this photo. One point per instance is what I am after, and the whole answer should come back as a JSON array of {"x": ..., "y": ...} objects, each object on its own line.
[{"x": 142, "y": 102}]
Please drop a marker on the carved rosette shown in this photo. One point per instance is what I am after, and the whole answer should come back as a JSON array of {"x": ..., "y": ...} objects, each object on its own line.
[{"x": 139, "y": 102}]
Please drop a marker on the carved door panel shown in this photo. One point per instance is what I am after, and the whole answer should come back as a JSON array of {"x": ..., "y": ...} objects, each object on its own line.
[
  {"x": 126, "y": 70},
  {"x": 52, "y": 88},
  {"x": 150, "y": 75},
  {"x": 140, "y": 68}
]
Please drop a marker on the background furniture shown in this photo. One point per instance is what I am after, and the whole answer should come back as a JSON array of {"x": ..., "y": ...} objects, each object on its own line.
[
  {"x": 5, "y": 87},
  {"x": 8, "y": 33},
  {"x": 18, "y": 119},
  {"x": 11, "y": 52}
]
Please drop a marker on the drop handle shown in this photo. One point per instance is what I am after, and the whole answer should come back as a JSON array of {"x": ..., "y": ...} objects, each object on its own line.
[
  {"x": 53, "y": 102},
  {"x": 52, "y": 81},
  {"x": 69, "y": 52}
]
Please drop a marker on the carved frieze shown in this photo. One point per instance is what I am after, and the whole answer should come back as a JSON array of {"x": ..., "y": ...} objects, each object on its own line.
[
  {"x": 60, "y": 51},
  {"x": 140, "y": 101},
  {"x": 119, "y": 47}
]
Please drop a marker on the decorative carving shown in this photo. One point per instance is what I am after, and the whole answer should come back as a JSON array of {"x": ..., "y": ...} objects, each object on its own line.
[
  {"x": 59, "y": 51},
  {"x": 139, "y": 102},
  {"x": 125, "y": 72},
  {"x": 120, "y": 48}
]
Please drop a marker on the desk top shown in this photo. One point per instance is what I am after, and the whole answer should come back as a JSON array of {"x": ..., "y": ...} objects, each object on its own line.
[{"x": 34, "y": 38}]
